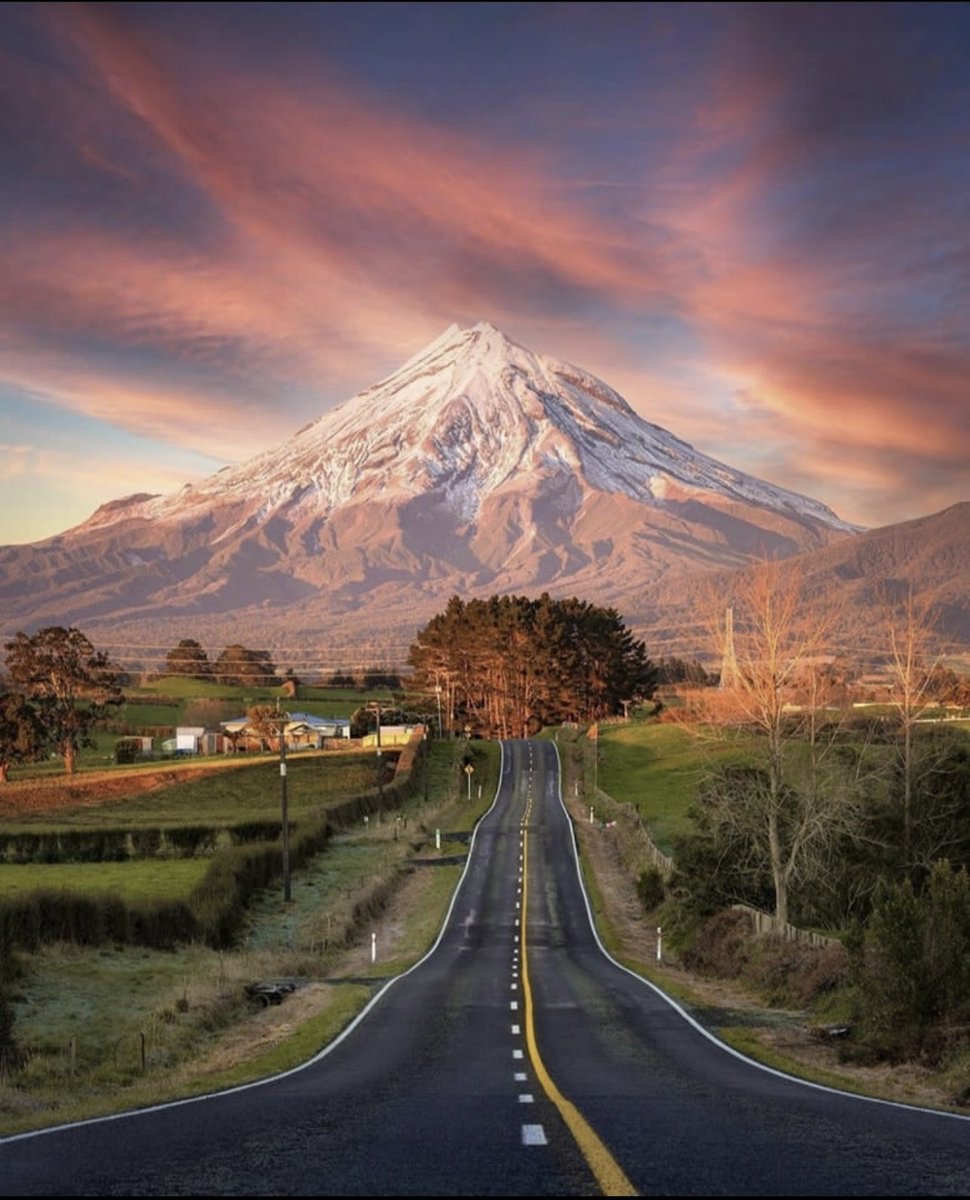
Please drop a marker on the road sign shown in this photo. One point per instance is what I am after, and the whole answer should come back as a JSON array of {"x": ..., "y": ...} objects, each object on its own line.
[{"x": 469, "y": 769}]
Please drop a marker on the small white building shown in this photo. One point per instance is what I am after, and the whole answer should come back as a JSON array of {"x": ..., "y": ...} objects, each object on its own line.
[
  {"x": 391, "y": 735},
  {"x": 188, "y": 739},
  {"x": 305, "y": 729}
]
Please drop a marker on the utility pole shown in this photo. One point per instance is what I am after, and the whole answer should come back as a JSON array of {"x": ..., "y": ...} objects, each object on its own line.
[
  {"x": 380, "y": 768},
  {"x": 284, "y": 814},
  {"x": 729, "y": 664},
  {"x": 427, "y": 755},
  {"x": 375, "y": 706}
]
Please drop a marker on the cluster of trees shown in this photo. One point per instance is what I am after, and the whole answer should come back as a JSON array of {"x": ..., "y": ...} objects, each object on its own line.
[
  {"x": 57, "y": 688},
  {"x": 832, "y": 843},
  {"x": 236, "y": 664},
  {"x": 947, "y": 687},
  {"x": 826, "y": 804},
  {"x": 680, "y": 670},
  {"x": 508, "y": 665},
  {"x": 911, "y": 970},
  {"x": 840, "y": 821}
]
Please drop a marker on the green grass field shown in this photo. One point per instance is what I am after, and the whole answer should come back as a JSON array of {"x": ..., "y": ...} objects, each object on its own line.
[
  {"x": 178, "y": 686},
  {"x": 657, "y": 769},
  {"x": 87, "y": 1014},
  {"x": 141, "y": 879},
  {"x": 240, "y": 792}
]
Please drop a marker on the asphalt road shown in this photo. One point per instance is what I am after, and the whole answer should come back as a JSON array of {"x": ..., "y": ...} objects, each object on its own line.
[{"x": 435, "y": 1091}]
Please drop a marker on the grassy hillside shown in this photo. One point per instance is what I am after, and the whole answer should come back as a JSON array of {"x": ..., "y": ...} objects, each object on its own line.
[{"x": 657, "y": 769}]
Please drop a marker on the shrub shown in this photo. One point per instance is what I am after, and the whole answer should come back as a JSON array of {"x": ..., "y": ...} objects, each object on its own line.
[
  {"x": 721, "y": 944},
  {"x": 254, "y": 831},
  {"x": 651, "y": 889},
  {"x": 146, "y": 843},
  {"x": 11, "y": 1056},
  {"x": 44, "y": 916},
  {"x": 191, "y": 840},
  {"x": 794, "y": 973},
  {"x": 912, "y": 971},
  {"x": 127, "y": 750}
]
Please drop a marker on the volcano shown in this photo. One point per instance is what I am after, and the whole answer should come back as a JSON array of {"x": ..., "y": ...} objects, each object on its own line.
[{"x": 478, "y": 467}]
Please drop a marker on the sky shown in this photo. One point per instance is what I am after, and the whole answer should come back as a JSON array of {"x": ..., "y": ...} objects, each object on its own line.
[{"x": 217, "y": 221}]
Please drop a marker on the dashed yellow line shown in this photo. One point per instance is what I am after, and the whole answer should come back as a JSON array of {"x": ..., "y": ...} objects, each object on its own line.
[{"x": 604, "y": 1166}]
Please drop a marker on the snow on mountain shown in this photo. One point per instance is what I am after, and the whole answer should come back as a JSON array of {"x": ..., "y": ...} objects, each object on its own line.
[
  {"x": 469, "y": 415},
  {"x": 477, "y": 466}
]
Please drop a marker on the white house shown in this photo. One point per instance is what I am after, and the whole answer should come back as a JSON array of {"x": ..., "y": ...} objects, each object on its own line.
[
  {"x": 302, "y": 731},
  {"x": 307, "y": 729}
]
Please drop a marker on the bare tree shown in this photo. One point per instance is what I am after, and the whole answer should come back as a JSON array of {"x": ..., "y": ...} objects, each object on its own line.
[
  {"x": 266, "y": 722},
  {"x": 913, "y": 646},
  {"x": 786, "y": 813}
]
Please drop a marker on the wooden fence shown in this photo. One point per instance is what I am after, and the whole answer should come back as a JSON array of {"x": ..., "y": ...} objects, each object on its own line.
[{"x": 637, "y": 847}]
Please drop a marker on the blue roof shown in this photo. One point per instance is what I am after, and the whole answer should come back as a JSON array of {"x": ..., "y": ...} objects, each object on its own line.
[{"x": 312, "y": 720}]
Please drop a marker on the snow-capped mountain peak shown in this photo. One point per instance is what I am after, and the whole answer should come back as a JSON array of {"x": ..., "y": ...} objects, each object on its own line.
[
  {"x": 477, "y": 465},
  {"x": 470, "y": 415}
]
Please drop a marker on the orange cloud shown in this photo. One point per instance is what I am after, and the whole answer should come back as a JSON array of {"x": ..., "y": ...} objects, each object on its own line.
[{"x": 305, "y": 165}]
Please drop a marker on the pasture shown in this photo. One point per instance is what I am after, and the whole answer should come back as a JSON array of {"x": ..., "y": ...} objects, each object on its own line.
[
  {"x": 136, "y": 881},
  {"x": 657, "y": 769},
  {"x": 215, "y": 792}
]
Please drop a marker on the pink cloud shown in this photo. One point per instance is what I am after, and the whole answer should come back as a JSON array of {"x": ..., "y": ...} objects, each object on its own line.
[
  {"x": 282, "y": 161},
  {"x": 343, "y": 238},
  {"x": 348, "y": 238}
]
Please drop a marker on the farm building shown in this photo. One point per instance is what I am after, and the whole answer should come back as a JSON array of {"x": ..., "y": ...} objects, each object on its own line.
[{"x": 302, "y": 731}]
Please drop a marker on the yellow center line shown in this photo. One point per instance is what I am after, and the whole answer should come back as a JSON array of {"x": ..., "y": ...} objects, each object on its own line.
[{"x": 604, "y": 1166}]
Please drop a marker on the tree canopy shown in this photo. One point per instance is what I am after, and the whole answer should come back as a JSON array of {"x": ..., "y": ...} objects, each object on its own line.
[
  {"x": 71, "y": 684},
  {"x": 508, "y": 665},
  {"x": 21, "y": 732},
  {"x": 238, "y": 665},
  {"x": 188, "y": 658}
]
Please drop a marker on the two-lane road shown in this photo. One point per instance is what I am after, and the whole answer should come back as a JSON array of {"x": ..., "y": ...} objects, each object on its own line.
[{"x": 438, "y": 1089}]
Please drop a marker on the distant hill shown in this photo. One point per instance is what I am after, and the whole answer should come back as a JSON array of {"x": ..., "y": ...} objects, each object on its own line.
[{"x": 930, "y": 554}]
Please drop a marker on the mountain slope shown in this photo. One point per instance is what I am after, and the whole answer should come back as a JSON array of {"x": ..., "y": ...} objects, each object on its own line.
[
  {"x": 477, "y": 467},
  {"x": 855, "y": 579}
]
